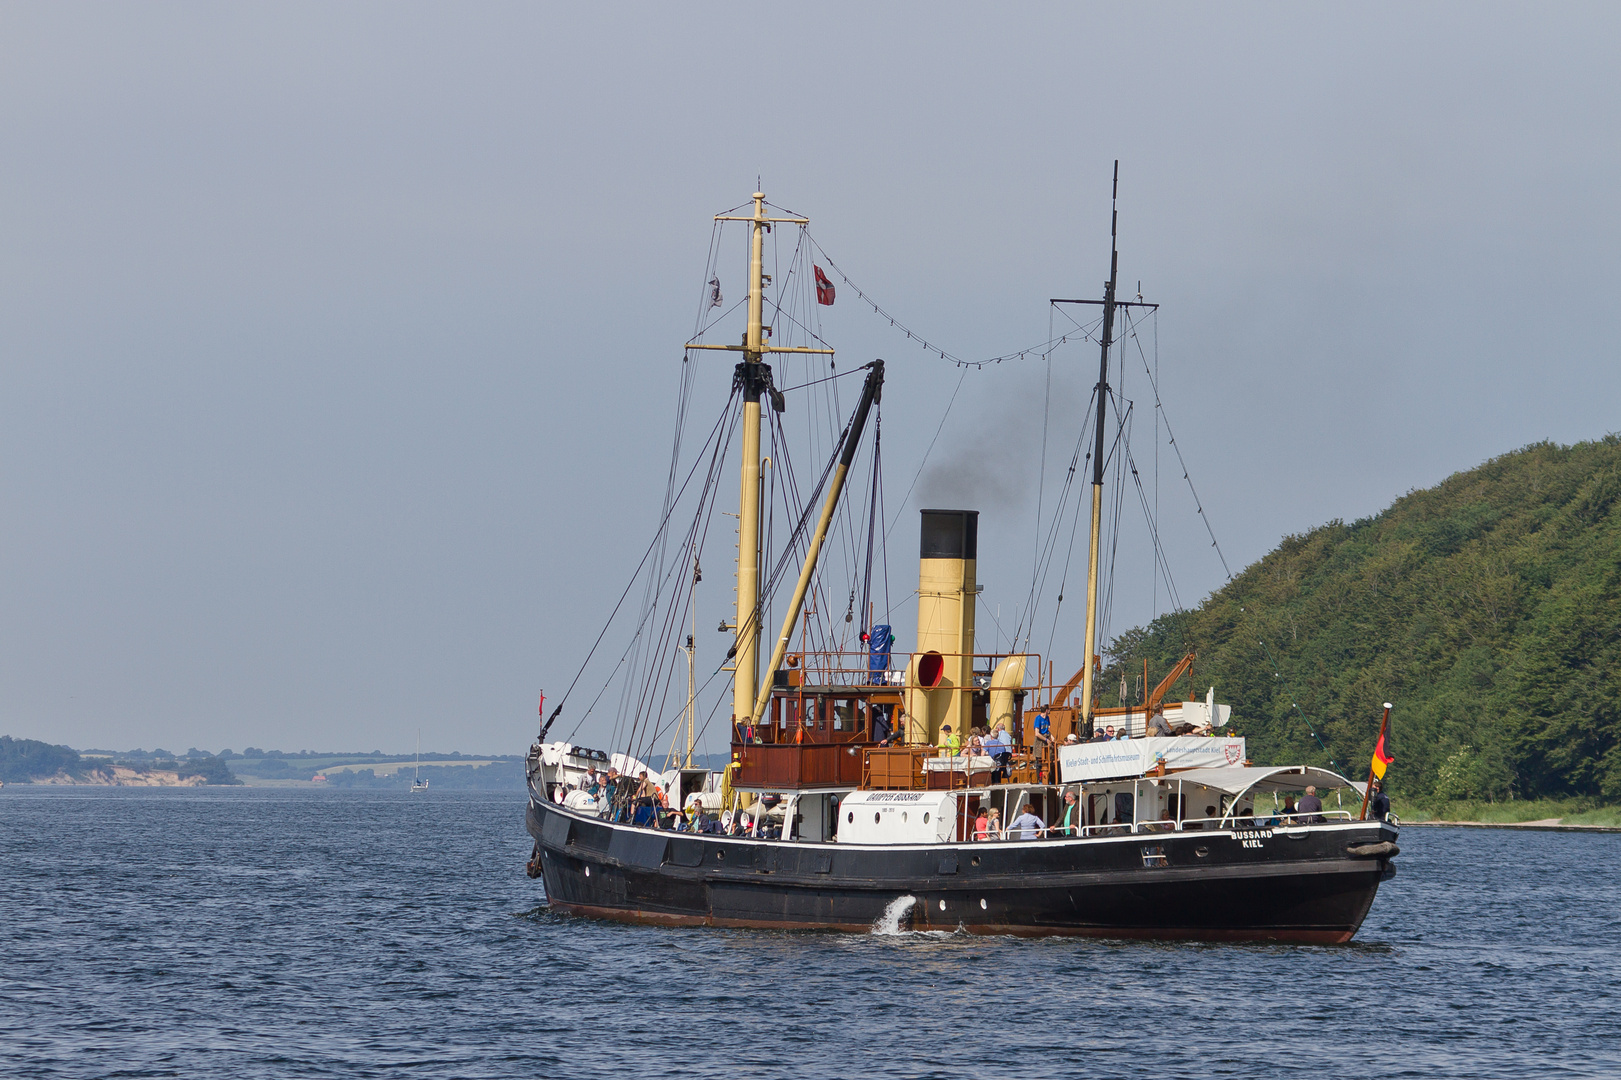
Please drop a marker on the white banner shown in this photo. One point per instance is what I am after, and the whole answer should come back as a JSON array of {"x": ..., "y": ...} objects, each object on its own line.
[{"x": 1134, "y": 757}]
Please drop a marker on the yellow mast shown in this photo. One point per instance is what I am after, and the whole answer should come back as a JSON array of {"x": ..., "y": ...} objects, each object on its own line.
[
  {"x": 753, "y": 376},
  {"x": 748, "y": 523},
  {"x": 1091, "y": 603}
]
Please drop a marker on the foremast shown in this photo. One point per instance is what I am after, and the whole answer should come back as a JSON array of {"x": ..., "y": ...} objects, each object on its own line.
[{"x": 753, "y": 379}]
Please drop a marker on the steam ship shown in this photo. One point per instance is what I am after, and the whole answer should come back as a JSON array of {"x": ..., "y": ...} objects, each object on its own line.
[{"x": 843, "y": 807}]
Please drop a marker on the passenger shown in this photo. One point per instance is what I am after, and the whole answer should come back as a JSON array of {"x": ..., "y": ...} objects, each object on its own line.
[
  {"x": 993, "y": 825},
  {"x": 1030, "y": 827},
  {"x": 1071, "y": 739},
  {"x": 1071, "y": 819},
  {"x": 1288, "y": 809},
  {"x": 976, "y": 742},
  {"x": 1312, "y": 807},
  {"x": 949, "y": 743},
  {"x": 1043, "y": 728},
  {"x": 1000, "y": 747},
  {"x": 1209, "y": 821},
  {"x": 1245, "y": 818},
  {"x": 880, "y": 727},
  {"x": 1101, "y": 734},
  {"x": 982, "y": 824},
  {"x": 1159, "y": 727},
  {"x": 1123, "y": 733},
  {"x": 1378, "y": 802}
]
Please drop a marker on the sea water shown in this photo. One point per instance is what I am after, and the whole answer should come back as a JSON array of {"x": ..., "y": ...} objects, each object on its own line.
[{"x": 249, "y": 933}]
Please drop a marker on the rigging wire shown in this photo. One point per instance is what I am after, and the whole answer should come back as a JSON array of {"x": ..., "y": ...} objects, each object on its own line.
[
  {"x": 829, "y": 378},
  {"x": 636, "y": 574},
  {"x": 1044, "y": 561},
  {"x": 661, "y": 673},
  {"x": 926, "y": 453},
  {"x": 1276, "y": 674},
  {"x": 912, "y": 335},
  {"x": 1131, "y": 331}
]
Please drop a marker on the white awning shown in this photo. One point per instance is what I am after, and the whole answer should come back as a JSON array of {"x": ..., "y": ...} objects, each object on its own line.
[{"x": 1238, "y": 779}]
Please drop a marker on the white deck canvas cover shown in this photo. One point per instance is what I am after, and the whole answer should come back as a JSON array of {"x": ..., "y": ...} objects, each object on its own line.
[
  {"x": 1134, "y": 757},
  {"x": 1240, "y": 779}
]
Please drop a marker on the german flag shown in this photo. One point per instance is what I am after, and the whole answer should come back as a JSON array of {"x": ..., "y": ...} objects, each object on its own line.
[{"x": 1381, "y": 759}]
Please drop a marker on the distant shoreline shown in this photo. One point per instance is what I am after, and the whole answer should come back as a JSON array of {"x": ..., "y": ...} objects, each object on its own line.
[{"x": 1535, "y": 826}]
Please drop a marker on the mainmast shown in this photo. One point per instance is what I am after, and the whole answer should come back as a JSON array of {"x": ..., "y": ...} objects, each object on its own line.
[
  {"x": 1110, "y": 304},
  {"x": 753, "y": 378},
  {"x": 1097, "y": 457}
]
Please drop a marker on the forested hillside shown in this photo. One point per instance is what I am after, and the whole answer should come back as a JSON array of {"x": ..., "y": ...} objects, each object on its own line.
[{"x": 1487, "y": 609}]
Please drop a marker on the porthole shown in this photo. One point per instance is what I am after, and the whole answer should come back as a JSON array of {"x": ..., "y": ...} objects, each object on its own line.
[
  {"x": 982, "y": 905},
  {"x": 974, "y": 861},
  {"x": 942, "y": 905},
  {"x": 875, "y": 819},
  {"x": 903, "y": 816},
  {"x": 1201, "y": 851},
  {"x": 588, "y": 871},
  {"x": 925, "y": 817},
  {"x": 852, "y": 818},
  {"x": 720, "y": 856}
]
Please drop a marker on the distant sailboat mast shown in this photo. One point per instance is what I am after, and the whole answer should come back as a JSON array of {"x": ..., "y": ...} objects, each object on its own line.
[{"x": 417, "y": 783}]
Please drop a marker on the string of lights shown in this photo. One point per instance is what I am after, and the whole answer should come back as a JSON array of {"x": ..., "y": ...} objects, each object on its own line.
[{"x": 912, "y": 335}]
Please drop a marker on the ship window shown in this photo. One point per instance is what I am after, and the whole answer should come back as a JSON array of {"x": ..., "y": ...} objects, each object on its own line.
[
  {"x": 925, "y": 818},
  {"x": 852, "y": 818},
  {"x": 982, "y": 905},
  {"x": 720, "y": 855},
  {"x": 588, "y": 871},
  {"x": 974, "y": 861},
  {"x": 942, "y": 905},
  {"x": 875, "y": 819}
]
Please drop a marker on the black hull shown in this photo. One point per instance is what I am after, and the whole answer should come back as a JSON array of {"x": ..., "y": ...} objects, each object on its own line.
[{"x": 1301, "y": 885}]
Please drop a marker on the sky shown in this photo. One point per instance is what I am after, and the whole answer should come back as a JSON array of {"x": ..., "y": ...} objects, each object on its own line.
[{"x": 339, "y": 344}]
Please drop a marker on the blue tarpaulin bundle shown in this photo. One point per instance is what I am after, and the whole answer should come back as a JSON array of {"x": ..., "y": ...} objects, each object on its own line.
[{"x": 879, "y": 640}]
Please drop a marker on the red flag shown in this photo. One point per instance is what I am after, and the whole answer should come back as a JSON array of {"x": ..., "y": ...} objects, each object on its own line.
[
  {"x": 543, "y": 703},
  {"x": 824, "y": 287}
]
